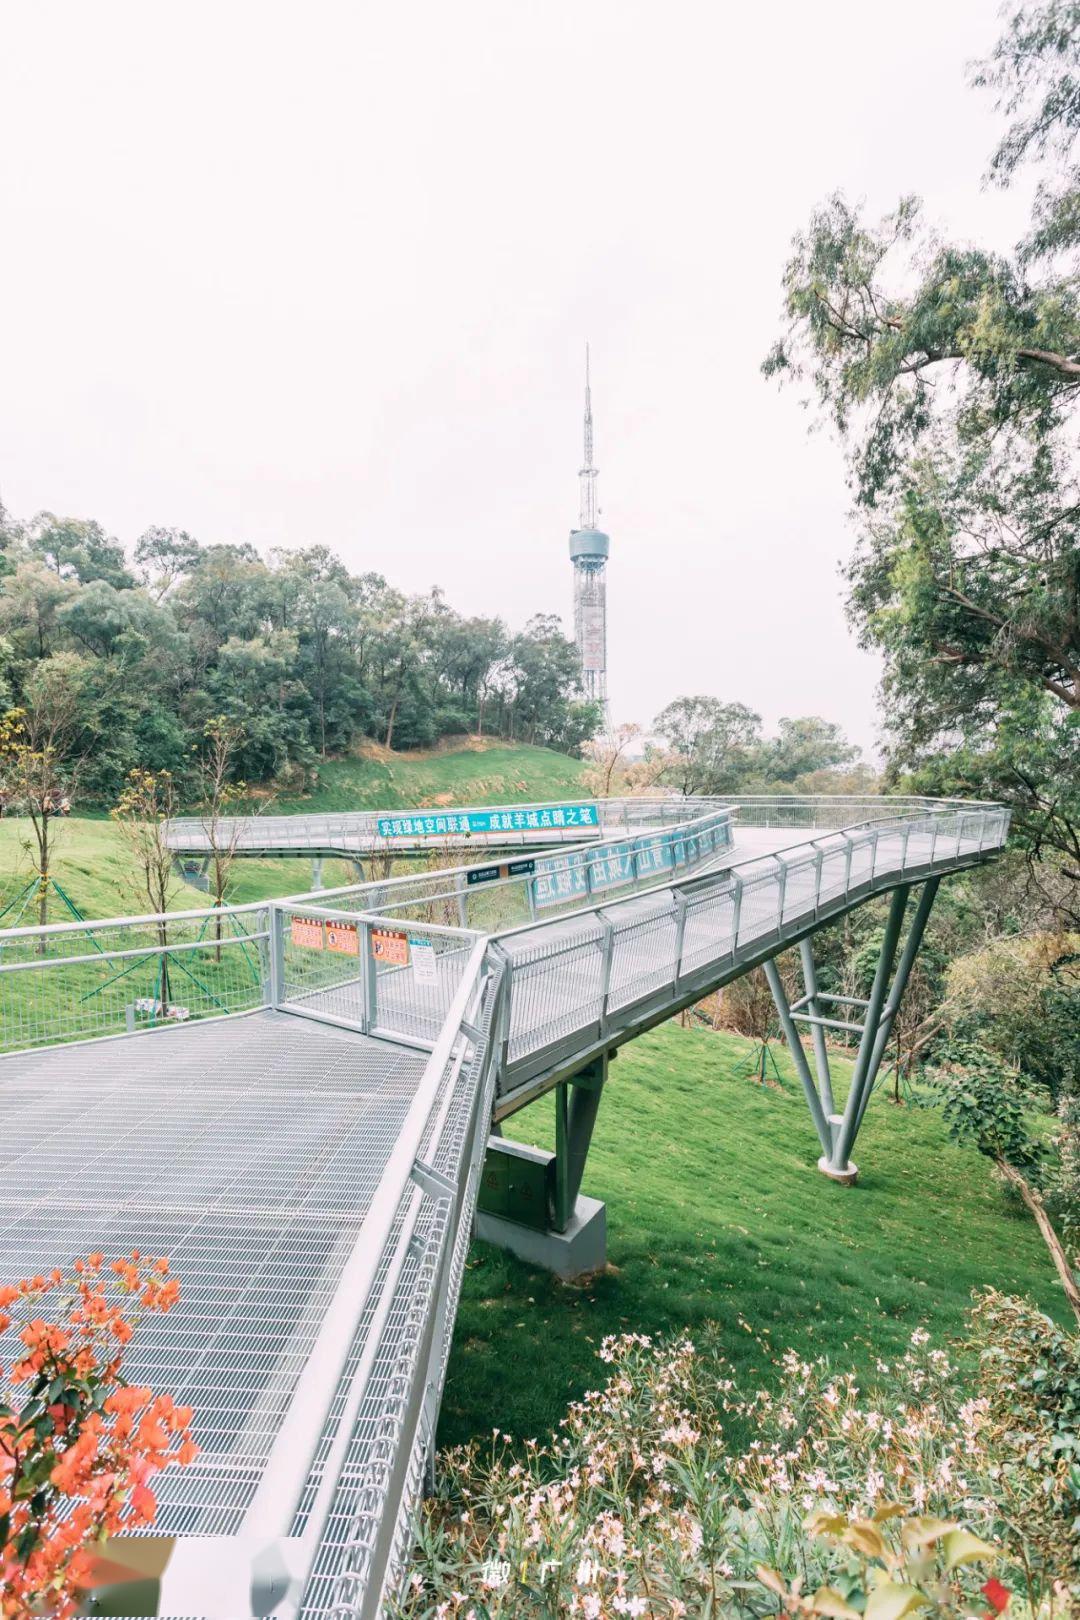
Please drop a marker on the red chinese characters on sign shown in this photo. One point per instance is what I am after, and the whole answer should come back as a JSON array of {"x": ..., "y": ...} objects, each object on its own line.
[
  {"x": 343, "y": 938},
  {"x": 387, "y": 945},
  {"x": 307, "y": 932}
]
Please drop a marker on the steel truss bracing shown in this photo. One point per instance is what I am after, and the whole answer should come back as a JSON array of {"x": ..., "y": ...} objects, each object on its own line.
[{"x": 872, "y": 1020}]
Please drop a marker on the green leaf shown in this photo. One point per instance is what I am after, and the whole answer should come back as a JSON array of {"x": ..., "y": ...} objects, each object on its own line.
[
  {"x": 890, "y": 1601},
  {"x": 961, "y": 1547},
  {"x": 924, "y": 1531},
  {"x": 827, "y": 1600},
  {"x": 865, "y": 1538}
]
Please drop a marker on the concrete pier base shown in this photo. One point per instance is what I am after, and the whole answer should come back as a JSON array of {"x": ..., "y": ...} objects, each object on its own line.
[
  {"x": 581, "y": 1248},
  {"x": 846, "y": 1177}
]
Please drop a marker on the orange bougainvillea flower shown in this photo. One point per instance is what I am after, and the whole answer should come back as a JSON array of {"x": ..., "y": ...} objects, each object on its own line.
[{"x": 95, "y": 1441}]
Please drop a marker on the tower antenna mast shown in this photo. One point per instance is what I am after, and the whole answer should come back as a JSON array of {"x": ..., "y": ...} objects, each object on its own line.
[
  {"x": 589, "y": 549},
  {"x": 588, "y": 472}
]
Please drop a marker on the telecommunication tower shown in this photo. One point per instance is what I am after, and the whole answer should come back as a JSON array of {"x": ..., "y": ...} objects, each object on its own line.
[{"x": 589, "y": 547}]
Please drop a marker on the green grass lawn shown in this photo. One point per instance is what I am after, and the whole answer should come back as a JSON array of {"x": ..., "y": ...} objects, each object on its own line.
[
  {"x": 480, "y": 773},
  {"x": 92, "y": 867},
  {"x": 716, "y": 1213}
]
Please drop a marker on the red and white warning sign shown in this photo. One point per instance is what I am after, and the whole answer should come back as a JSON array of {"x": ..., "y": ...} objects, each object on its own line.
[
  {"x": 307, "y": 932},
  {"x": 343, "y": 938},
  {"x": 388, "y": 945}
]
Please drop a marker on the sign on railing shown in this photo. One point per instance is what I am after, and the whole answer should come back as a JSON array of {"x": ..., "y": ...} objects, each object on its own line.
[
  {"x": 560, "y": 878},
  {"x": 533, "y": 818}
]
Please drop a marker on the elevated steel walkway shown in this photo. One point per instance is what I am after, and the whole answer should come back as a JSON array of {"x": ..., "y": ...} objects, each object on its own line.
[
  {"x": 358, "y": 835},
  {"x": 306, "y": 1142}
]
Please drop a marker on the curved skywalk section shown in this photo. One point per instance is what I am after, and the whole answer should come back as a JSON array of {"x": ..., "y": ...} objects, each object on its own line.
[
  {"x": 350, "y": 835},
  {"x": 310, "y": 1164}
]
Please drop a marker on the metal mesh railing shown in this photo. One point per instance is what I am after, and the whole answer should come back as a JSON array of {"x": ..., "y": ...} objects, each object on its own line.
[
  {"x": 504, "y": 894},
  {"x": 368, "y": 1537},
  {"x": 366, "y": 973},
  {"x": 571, "y": 983},
  {"x": 74, "y": 981},
  {"x": 379, "y": 831}
]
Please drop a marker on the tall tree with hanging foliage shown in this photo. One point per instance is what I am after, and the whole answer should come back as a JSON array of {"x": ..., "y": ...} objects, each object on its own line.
[{"x": 952, "y": 373}]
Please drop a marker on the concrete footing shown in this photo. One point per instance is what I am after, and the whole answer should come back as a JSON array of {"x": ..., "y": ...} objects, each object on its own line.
[
  {"x": 846, "y": 1177},
  {"x": 581, "y": 1248}
]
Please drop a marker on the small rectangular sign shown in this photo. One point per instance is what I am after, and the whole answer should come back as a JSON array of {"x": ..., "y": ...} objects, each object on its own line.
[
  {"x": 425, "y": 967},
  {"x": 520, "y": 868},
  {"x": 482, "y": 874},
  {"x": 463, "y": 823},
  {"x": 343, "y": 938},
  {"x": 307, "y": 932},
  {"x": 388, "y": 945}
]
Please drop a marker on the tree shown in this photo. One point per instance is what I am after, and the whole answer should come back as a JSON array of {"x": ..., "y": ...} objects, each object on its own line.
[
  {"x": 75, "y": 548},
  {"x": 804, "y": 746},
  {"x": 306, "y": 657},
  {"x": 29, "y": 606},
  {"x": 713, "y": 742},
  {"x": 142, "y": 813},
  {"x": 982, "y": 1106},
  {"x": 220, "y": 796},
  {"x": 953, "y": 374},
  {"x": 163, "y": 558},
  {"x": 39, "y": 765},
  {"x": 615, "y": 769}
]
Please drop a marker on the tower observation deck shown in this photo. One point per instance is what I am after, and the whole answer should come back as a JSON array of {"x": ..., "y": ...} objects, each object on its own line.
[{"x": 589, "y": 547}]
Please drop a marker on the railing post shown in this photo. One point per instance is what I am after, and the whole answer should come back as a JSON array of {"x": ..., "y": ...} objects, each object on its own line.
[
  {"x": 850, "y": 842},
  {"x": 276, "y": 952},
  {"x": 782, "y": 891},
  {"x": 369, "y": 981},
  {"x": 680, "y": 934},
  {"x": 818, "y": 864},
  {"x": 605, "y": 969},
  {"x": 735, "y": 915}
]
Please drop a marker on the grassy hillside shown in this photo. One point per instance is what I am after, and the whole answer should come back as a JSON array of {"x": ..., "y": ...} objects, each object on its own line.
[
  {"x": 716, "y": 1212},
  {"x": 91, "y": 863},
  {"x": 477, "y": 773}
]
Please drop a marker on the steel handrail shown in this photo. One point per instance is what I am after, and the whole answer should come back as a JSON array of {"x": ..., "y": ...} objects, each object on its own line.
[
  {"x": 734, "y": 868},
  {"x": 264, "y": 1566}
]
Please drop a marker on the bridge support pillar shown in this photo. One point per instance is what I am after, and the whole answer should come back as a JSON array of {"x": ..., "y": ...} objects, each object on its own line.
[
  {"x": 193, "y": 871},
  {"x": 316, "y": 872},
  {"x": 871, "y": 1019},
  {"x": 531, "y": 1201}
]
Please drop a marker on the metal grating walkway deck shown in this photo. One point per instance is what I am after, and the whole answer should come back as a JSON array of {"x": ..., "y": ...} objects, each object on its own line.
[{"x": 247, "y": 1151}]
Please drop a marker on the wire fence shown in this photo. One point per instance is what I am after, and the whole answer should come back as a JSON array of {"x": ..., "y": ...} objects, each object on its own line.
[{"x": 80, "y": 980}]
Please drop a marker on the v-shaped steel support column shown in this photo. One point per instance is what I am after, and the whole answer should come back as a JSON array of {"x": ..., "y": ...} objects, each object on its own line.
[{"x": 837, "y": 1130}]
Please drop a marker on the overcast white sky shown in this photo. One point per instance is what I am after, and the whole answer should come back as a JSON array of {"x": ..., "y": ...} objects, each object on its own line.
[{"x": 324, "y": 272}]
